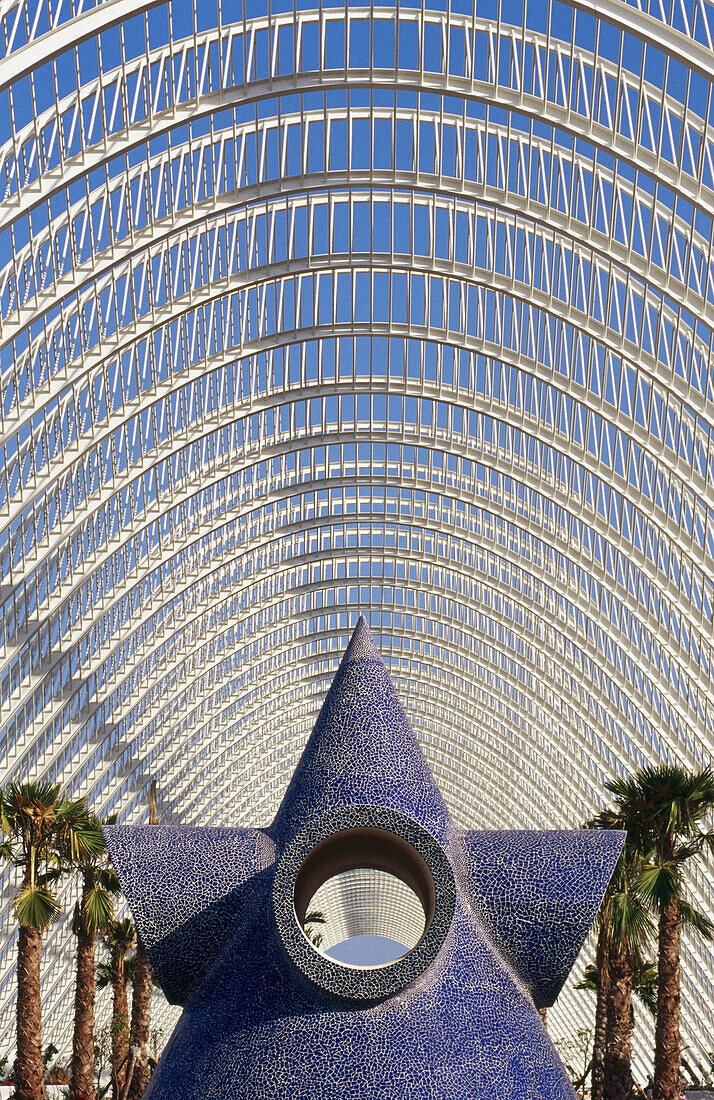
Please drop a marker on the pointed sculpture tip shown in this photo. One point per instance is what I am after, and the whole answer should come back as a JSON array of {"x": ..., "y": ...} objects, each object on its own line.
[{"x": 361, "y": 645}]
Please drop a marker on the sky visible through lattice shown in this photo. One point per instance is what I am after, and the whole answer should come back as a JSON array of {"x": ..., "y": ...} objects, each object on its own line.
[{"x": 400, "y": 308}]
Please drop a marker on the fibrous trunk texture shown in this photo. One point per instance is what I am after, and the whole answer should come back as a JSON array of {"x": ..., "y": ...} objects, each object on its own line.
[
  {"x": 618, "y": 1084},
  {"x": 29, "y": 1070},
  {"x": 120, "y": 1031},
  {"x": 602, "y": 964},
  {"x": 83, "y": 1044},
  {"x": 667, "y": 1085},
  {"x": 140, "y": 1021}
]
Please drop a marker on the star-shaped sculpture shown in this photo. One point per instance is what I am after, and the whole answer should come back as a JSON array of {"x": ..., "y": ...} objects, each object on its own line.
[{"x": 491, "y": 921}]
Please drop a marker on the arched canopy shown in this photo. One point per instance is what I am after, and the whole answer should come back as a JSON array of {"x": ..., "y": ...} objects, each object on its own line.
[{"x": 313, "y": 309}]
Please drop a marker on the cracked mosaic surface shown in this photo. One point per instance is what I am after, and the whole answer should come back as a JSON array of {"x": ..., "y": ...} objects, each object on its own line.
[
  {"x": 454, "y": 1018},
  {"x": 347, "y": 982}
]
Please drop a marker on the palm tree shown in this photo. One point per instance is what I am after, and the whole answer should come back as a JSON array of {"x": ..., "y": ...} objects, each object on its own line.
[
  {"x": 137, "y": 1077},
  {"x": 92, "y": 914},
  {"x": 629, "y": 925},
  {"x": 602, "y": 991},
  {"x": 615, "y": 1041},
  {"x": 312, "y": 918},
  {"x": 119, "y": 939},
  {"x": 624, "y": 928},
  {"x": 105, "y": 973},
  {"x": 45, "y": 829},
  {"x": 667, "y": 806},
  {"x": 138, "y": 1073},
  {"x": 644, "y": 984}
]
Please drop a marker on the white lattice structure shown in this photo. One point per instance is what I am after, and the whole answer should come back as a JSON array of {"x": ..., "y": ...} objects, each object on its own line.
[{"x": 309, "y": 308}]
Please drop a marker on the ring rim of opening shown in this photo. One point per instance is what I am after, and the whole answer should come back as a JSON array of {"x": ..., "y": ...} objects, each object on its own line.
[{"x": 353, "y": 982}]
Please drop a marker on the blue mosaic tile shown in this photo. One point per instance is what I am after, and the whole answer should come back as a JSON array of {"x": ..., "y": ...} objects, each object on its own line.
[
  {"x": 538, "y": 894},
  {"x": 348, "y": 982},
  {"x": 268, "y": 1017}
]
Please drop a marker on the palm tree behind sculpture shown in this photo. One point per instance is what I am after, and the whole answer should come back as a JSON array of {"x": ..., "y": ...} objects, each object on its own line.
[
  {"x": 92, "y": 914},
  {"x": 644, "y": 984},
  {"x": 626, "y": 927},
  {"x": 602, "y": 991},
  {"x": 667, "y": 806},
  {"x": 644, "y": 987},
  {"x": 119, "y": 939},
  {"x": 46, "y": 832},
  {"x": 138, "y": 1072},
  {"x": 623, "y": 927},
  {"x": 312, "y": 918}
]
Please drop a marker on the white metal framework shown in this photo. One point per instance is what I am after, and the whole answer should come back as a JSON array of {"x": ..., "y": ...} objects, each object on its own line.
[
  {"x": 366, "y": 902},
  {"x": 405, "y": 307}
]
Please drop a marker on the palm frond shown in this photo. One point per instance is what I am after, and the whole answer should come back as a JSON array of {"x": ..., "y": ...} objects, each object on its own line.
[
  {"x": 312, "y": 918},
  {"x": 692, "y": 848},
  {"x": 629, "y": 922},
  {"x": 645, "y": 986},
  {"x": 98, "y": 909},
  {"x": 29, "y": 807},
  {"x": 107, "y": 878},
  {"x": 120, "y": 936},
  {"x": 668, "y": 795},
  {"x": 51, "y": 875},
  {"x": 658, "y": 884},
  {"x": 80, "y": 835},
  {"x": 696, "y": 920},
  {"x": 19, "y": 795},
  {"x": 73, "y": 809},
  {"x": 129, "y": 968},
  {"x": 35, "y": 907},
  {"x": 590, "y": 979},
  {"x": 104, "y": 975}
]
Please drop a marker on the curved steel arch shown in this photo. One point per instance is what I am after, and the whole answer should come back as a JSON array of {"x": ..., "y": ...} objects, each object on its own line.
[
  {"x": 88, "y": 670},
  {"x": 417, "y": 77},
  {"x": 174, "y": 591},
  {"x": 429, "y": 443},
  {"x": 89, "y": 666},
  {"x": 585, "y": 645},
  {"x": 479, "y": 190},
  {"x": 584, "y": 457}
]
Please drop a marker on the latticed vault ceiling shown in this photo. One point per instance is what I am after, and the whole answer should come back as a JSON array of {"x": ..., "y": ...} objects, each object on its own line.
[{"x": 305, "y": 309}]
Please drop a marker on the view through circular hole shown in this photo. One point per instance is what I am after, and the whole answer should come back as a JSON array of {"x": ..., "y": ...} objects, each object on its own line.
[
  {"x": 364, "y": 897},
  {"x": 364, "y": 917}
]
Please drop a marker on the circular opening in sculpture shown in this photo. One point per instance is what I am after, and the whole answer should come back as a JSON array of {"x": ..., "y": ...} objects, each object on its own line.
[
  {"x": 347, "y": 846},
  {"x": 364, "y": 898}
]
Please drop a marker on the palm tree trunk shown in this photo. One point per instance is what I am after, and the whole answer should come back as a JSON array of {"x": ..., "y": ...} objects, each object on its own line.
[
  {"x": 140, "y": 1020},
  {"x": 29, "y": 1070},
  {"x": 602, "y": 964},
  {"x": 141, "y": 996},
  {"x": 120, "y": 1030},
  {"x": 618, "y": 1083},
  {"x": 83, "y": 1043},
  {"x": 667, "y": 1085}
]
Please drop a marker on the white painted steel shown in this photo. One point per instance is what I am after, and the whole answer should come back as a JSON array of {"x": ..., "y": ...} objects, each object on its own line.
[{"x": 292, "y": 325}]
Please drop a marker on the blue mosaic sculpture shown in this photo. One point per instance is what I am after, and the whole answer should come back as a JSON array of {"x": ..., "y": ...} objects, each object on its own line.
[{"x": 268, "y": 1015}]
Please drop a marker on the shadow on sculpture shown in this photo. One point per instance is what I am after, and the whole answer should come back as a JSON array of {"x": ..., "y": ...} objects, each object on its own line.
[{"x": 491, "y": 924}]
